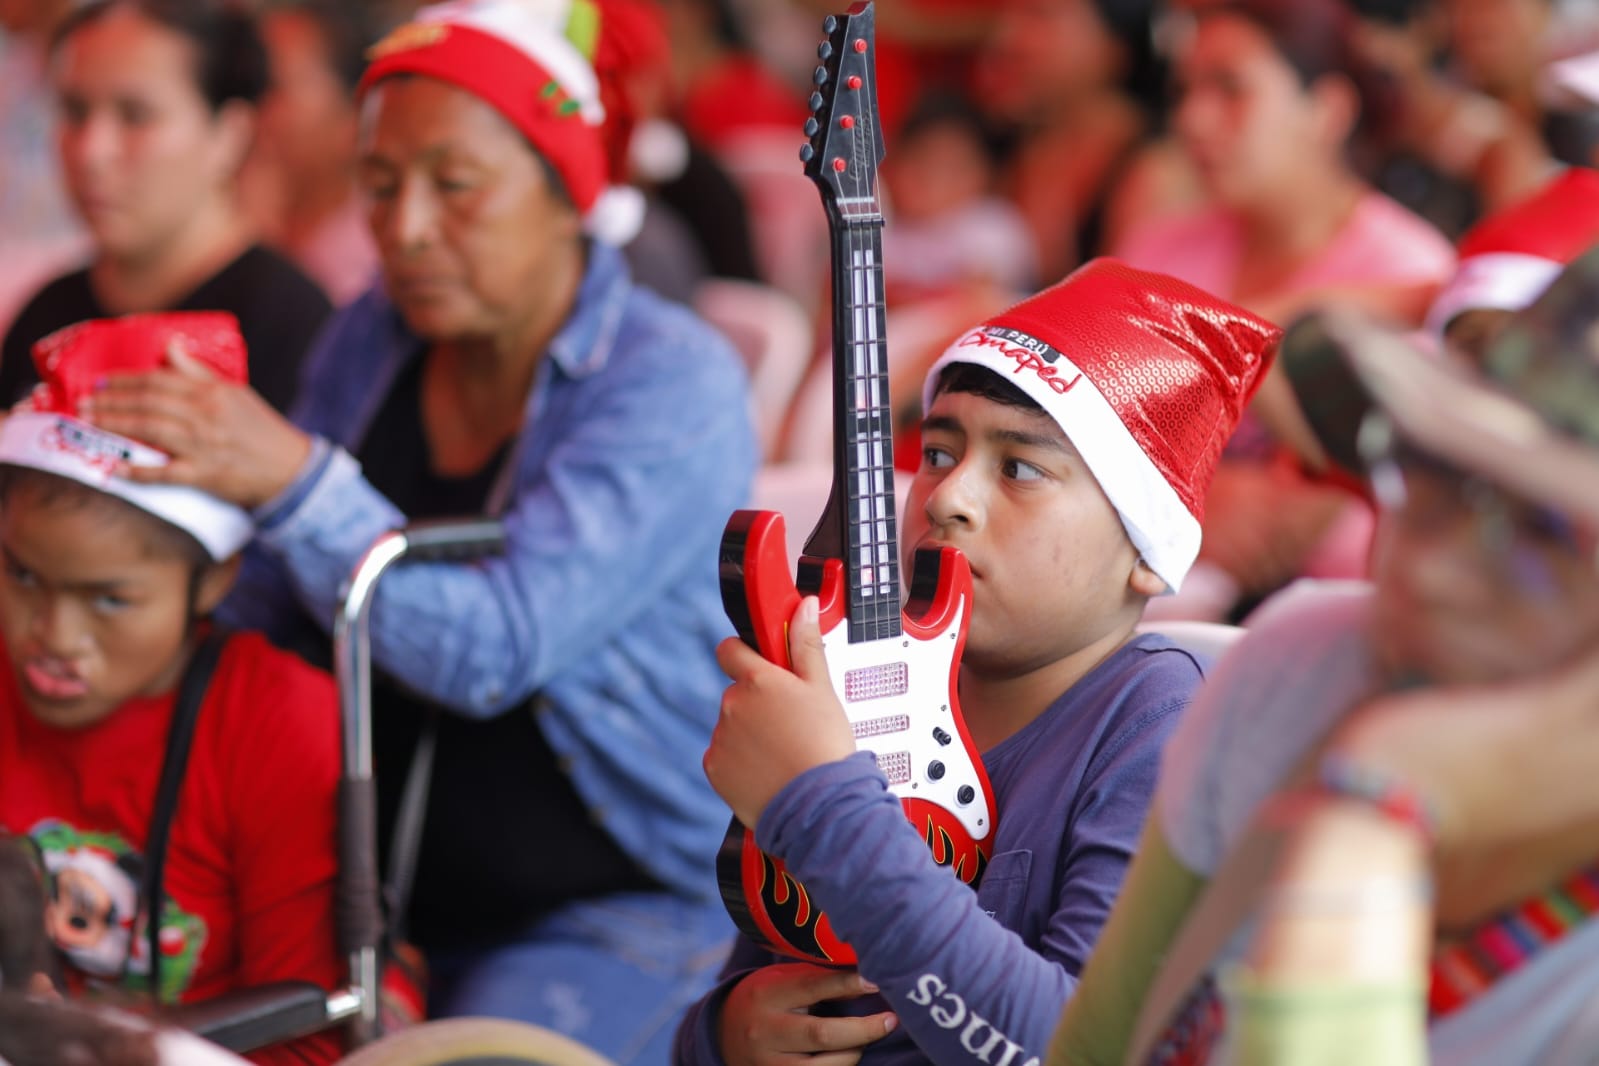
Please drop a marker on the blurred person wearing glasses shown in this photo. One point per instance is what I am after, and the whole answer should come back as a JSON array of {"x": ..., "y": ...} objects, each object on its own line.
[{"x": 1374, "y": 836}]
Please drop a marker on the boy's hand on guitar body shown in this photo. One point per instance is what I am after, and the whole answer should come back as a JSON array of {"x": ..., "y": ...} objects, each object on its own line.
[
  {"x": 775, "y": 723},
  {"x": 766, "y": 1018}
]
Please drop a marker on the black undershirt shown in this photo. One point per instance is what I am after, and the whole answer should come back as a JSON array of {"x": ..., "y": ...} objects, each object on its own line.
[
  {"x": 507, "y": 838},
  {"x": 279, "y": 311}
]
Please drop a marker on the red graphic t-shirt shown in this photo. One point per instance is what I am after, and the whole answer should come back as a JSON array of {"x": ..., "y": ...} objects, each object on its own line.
[{"x": 251, "y": 857}]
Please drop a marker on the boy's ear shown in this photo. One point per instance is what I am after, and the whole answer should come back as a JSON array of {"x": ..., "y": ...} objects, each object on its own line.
[
  {"x": 1144, "y": 581},
  {"x": 215, "y": 583}
]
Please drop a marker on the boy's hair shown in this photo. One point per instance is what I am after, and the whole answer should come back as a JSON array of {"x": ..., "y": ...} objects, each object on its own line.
[
  {"x": 157, "y": 536},
  {"x": 983, "y": 382}
]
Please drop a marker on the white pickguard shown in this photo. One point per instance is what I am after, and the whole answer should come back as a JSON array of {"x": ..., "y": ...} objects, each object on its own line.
[{"x": 896, "y": 694}]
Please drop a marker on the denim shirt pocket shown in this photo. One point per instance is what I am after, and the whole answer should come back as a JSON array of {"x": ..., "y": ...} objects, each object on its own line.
[{"x": 1003, "y": 892}]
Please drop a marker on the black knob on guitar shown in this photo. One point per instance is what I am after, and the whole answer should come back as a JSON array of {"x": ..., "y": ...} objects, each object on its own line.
[
  {"x": 935, "y": 770},
  {"x": 942, "y": 737},
  {"x": 965, "y": 795}
]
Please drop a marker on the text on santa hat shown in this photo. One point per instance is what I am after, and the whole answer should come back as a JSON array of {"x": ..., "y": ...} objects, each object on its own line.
[
  {"x": 1030, "y": 353},
  {"x": 100, "y": 450}
]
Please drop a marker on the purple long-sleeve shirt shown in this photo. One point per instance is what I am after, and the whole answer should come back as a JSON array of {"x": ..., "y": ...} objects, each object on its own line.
[{"x": 978, "y": 977}]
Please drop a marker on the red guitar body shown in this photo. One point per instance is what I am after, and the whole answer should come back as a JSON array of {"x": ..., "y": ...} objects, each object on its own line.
[{"x": 914, "y": 726}]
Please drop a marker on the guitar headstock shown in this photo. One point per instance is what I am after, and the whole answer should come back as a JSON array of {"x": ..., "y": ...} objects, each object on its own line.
[{"x": 846, "y": 138}]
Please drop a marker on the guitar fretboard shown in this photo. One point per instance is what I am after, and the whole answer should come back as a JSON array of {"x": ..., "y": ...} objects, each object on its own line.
[{"x": 864, "y": 421}]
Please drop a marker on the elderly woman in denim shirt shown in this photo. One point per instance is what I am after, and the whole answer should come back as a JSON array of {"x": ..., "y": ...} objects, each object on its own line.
[{"x": 506, "y": 363}]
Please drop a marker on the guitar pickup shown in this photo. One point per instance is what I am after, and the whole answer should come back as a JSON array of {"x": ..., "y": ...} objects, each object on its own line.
[
  {"x": 876, "y": 727},
  {"x": 896, "y": 766},
  {"x": 876, "y": 682}
]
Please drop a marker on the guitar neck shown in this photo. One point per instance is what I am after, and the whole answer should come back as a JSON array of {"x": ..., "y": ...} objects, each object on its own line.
[{"x": 861, "y": 512}]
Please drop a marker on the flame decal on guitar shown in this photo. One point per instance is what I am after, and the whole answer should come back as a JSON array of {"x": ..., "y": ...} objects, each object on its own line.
[{"x": 895, "y": 669}]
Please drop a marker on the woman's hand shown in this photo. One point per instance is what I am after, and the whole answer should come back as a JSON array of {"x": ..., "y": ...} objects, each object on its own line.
[{"x": 222, "y": 437}]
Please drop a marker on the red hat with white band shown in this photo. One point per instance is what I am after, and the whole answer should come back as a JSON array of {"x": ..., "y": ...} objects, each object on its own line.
[
  {"x": 1509, "y": 258},
  {"x": 50, "y": 437},
  {"x": 532, "y": 61},
  {"x": 1146, "y": 375}
]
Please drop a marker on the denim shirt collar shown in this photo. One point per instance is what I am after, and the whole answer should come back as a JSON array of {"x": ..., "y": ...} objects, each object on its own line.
[{"x": 584, "y": 344}]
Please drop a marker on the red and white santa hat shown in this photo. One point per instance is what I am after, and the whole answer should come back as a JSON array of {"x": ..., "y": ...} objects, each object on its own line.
[
  {"x": 1577, "y": 77},
  {"x": 72, "y": 361},
  {"x": 1509, "y": 258},
  {"x": 1146, "y": 375},
  {"x": 533, "y": 62}
]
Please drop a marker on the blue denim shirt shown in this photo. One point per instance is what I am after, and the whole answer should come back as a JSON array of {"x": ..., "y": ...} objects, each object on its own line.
[{"x": 636, "y": 445}]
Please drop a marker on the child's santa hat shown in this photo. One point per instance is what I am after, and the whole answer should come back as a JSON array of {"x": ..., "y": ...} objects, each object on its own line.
[
  {"x": 533, "y": 62},
  {"x": 71, "y": 361},
  {"x": 1509, "y": 258},
  {"x": 1146, "y": 375}
]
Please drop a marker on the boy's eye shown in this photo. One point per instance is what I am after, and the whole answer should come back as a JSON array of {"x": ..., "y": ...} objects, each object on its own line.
[
  {"x": 454, "y": 183},
  {"x": 1017, "y": 470},
  {"x": 20, "y": 575},
  {"x": 110, "y": 603},
  {"x": 937, "y": 458}
]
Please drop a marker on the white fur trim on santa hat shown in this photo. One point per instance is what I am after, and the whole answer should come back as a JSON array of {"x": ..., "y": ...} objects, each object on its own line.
[
  {"x": 1157, "y": 521},
  {"x": 1493, "y": 281},
  {"x": 1578, "y": 76},
  {"x": 535, "y": 27},
  {"x": 617, "y": 216},
  {"x": 74, "y": 449}
]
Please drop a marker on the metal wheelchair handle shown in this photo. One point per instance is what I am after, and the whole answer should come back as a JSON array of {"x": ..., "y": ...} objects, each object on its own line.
[{"x": 360, "y": 916}]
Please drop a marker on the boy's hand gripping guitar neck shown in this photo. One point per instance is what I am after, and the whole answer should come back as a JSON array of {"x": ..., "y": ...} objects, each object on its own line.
[{"x": 894, "y": 670}]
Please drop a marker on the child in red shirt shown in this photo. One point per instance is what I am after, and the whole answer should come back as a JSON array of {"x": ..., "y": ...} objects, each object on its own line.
[{"x": 104, "y": 597}]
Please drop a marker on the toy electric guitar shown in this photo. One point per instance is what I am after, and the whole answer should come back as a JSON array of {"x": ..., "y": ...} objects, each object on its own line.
[{"x": 894, "y": 671}]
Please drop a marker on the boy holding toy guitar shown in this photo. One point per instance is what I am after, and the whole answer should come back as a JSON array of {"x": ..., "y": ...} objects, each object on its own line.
[{"x": 1068, "y": 444}]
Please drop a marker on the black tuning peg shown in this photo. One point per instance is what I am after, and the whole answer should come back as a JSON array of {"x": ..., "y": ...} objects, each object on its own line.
[
  {"x": 811, "y": 126},
  {"x": 820, "y": 76},
  {"x": 829, "y": 24},
  {"x": 817, "y": 101},
  {"x": 824, "y": 50},
  {"x": 806, "y": 152}
]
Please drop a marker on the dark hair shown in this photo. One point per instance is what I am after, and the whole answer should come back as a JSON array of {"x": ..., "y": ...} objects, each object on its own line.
[
  {"x": 230, "y": 60},
  {"x": 1311, "y": 35},
  {"x": 1131, "y": 22},
  {"x": 42, "y": 1033},
  {"x": 1389, "y": 12},
  {"x": 24, "y": 947},
  {"x": 347, "y": 31},
  {"x": 980, "y": 381},
  {"x": 1314, "y": 38},
  {"x": 939, "y": 107},
  {"x": 158, "y": 536}
]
